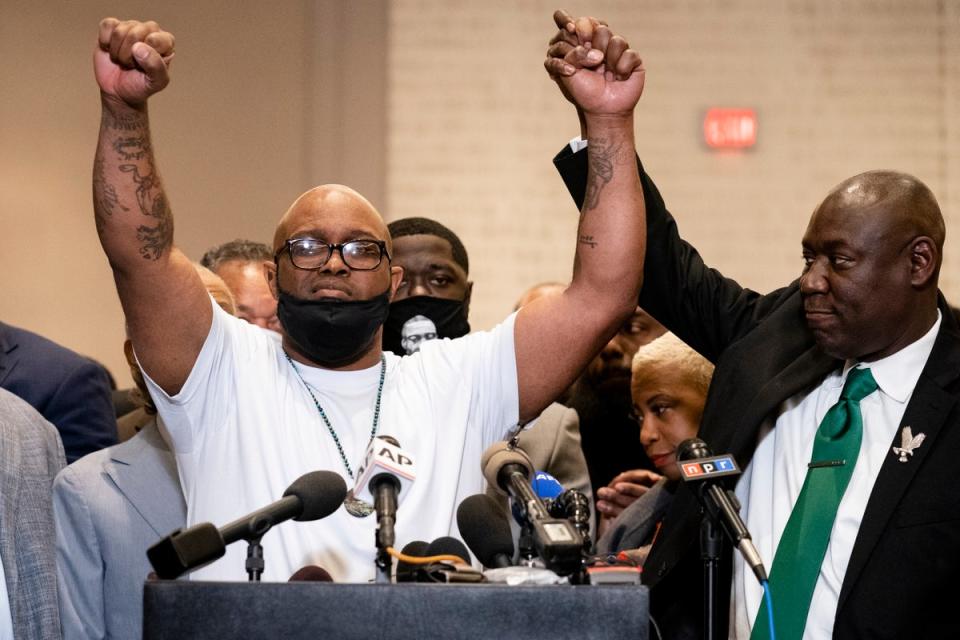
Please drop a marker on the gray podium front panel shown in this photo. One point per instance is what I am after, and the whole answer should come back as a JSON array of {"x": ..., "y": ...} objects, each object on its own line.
[{"x": 201, "y": 610}]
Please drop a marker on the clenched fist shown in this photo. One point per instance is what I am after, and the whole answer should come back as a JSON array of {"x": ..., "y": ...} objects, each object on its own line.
[
  {"x": 596, "y": 69},
  {"x": 132, "y": 59}
]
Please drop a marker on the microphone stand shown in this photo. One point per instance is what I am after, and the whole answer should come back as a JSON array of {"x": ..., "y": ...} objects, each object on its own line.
[
  {"x": 385, "y": 490},
  {"x": 383, "y": 565},
  {"x": 711, "y": 543},
  {"x": 255, "y": 561},
  {"x": 527, "y": 552}
]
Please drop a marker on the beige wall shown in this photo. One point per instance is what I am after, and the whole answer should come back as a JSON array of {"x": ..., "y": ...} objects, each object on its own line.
[{"x": 441, "y": 108}]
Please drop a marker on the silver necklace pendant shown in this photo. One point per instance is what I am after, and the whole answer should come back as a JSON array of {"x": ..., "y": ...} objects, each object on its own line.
[{"x": 356, "y": 507}]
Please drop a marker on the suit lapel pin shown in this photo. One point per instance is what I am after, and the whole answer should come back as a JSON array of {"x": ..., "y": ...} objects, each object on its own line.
[{"x": 908, "y": 442}]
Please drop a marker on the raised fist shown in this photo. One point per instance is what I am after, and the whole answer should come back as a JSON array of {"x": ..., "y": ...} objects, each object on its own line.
[
  {"x": 596, "y": 69},
  {"x": 132, "y": 59}
]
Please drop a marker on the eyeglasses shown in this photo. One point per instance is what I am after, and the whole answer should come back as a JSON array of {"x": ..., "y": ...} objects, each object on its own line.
[{"x": 310, "y": 253}]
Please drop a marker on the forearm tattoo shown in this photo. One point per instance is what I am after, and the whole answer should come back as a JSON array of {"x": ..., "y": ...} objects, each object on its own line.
[
  {"x": 105, "y": 196},
  {"x": 153, "y": 203},
  {"x": 122, "y": 122},
  {"x": 601, "y": 153},
  {"x": 125, "y": 145}
]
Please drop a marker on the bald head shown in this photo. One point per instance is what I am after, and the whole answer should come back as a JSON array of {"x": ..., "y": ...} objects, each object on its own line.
[
  {"x": 331, "y": 203},
  {"x": 903, "y": 203}
]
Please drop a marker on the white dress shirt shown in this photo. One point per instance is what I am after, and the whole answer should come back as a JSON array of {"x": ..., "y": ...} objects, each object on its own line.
[{"x": 771, "y": 483}]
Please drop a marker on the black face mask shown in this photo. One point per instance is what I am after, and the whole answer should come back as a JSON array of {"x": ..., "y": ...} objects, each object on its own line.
[
  {"x": 332, "y": 333},
  {"x": 449, "y": 320}
]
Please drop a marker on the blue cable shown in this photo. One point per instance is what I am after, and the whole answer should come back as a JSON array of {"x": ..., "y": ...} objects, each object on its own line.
[{"x": 769, "y": 599}]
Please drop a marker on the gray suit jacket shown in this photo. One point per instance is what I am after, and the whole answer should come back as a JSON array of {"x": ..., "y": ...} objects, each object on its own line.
[
  {"x": 553, "y": 444},
  {"x": 110, "y": 506},
  {"x": 31, "y": 454},
  {"x": 637, "y": 524}
]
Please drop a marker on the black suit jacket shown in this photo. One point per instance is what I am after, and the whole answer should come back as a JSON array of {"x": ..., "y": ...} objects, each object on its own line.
[
  {"x": 70, "y": 391},
  {"x": 901, "y": 579}
]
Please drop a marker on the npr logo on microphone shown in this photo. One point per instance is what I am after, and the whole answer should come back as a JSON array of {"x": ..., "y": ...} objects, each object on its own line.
[{"x": 705, "y": 468}]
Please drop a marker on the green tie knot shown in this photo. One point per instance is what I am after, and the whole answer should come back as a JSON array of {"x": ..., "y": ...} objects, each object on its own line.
[{"x": 859, "y": 385}]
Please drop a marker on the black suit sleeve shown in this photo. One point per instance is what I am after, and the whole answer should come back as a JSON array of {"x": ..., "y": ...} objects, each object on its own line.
[
  {"x": 82, "y": 410},
  {"x": 701, "y": 306}
]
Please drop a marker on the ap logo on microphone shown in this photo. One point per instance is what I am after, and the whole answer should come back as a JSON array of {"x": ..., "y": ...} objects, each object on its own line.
[{"x": 384, "y": 457}]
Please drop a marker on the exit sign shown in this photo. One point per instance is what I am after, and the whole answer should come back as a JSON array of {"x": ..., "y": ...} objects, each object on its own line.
[{"x": 730, "y": 128}]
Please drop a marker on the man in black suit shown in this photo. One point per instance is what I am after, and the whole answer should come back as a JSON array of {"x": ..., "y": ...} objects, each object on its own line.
[
  {"x": 67, "y": 389},
  {"x": 867, "y": 298}
]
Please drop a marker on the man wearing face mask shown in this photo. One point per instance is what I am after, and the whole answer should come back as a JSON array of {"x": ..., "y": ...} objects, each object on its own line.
[
  {"x": 435, "y": 294},
  {"x": 246, "y": 414},
  {"x": 435, "y": 283}
]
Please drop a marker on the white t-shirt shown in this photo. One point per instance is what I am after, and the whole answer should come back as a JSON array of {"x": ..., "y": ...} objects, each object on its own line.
[
  {"x": 243, "y": 428},
  {"x": 771, "y": 483}
]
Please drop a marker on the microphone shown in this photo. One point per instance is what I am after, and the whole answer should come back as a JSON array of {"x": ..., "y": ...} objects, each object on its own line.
[
  {"x": 700, "y": 469},
  {"x": 312, "y": 496},
  {"x": 385, "y": 473},
  {"x": 486, "y": 530},
  {"x": 311, "y": 573},
  {"x": 575, "y": 507},
  {"x": 449, "y": 546},
  {"x": 437, "y": 571},
  {"x": 560, "y": 503},
  {"x": 444, "y": 572},
  {"x": 547, "y": 488},
  {"x": 556, "y": 540},
  {"x": 407, "y": 572}
]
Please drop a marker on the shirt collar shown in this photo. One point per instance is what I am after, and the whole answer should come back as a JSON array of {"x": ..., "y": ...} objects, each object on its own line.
[{"x": 897, "y": 374}]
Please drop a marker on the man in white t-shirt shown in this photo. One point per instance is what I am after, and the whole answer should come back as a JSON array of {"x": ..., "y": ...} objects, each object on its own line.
[{"x": 246, "y": 414}]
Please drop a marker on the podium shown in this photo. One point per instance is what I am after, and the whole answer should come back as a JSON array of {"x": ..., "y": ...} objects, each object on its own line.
[{"x": 320, "y": 610}]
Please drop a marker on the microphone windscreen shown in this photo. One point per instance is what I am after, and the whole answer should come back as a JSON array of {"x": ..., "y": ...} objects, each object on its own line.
[
  {"x": 499, "y": 455},
  {"x": 407, "y": 572},
  {"x": 546, "y": 486},
  {"x": 484, "y": 526},
  {"x": 692, "y": 449},
  {"x": 311, "y": 573},
  {"x": 416, "y": 548},
  {"x": 447, "y": 545},
  {"x": 321, "y": 492}
]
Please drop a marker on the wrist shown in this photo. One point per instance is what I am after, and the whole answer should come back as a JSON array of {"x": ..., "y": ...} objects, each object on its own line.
[
  {"x": 119, "y": 106},
  {"x": 596, "y": 122}
]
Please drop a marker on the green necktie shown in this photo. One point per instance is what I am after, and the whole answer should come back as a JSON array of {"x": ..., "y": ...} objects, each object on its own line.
[{"x": 803, "y": 545}]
